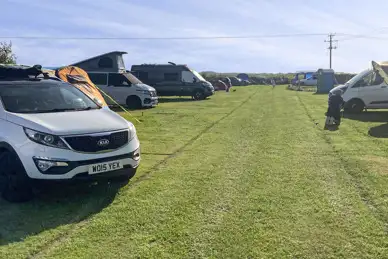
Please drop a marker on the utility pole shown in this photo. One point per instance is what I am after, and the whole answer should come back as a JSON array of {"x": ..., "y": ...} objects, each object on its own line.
[{"x": 331, "y": 47}]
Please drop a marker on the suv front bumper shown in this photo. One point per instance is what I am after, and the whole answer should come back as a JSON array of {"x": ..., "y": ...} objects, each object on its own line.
[{"x": 74, "y": 164}]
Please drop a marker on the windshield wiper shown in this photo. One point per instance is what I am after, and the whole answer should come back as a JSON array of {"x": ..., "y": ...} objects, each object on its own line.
[
  {"x": 56, "y": 110},
  {"x": 86, "y": 109}
]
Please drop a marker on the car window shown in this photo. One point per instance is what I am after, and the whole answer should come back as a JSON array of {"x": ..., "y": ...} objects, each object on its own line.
[
  {"x": 118, "y": 80},
  {"x": 143, "y": 76},
  {"x": 99, "y": 78},
  {"x": 171, "y": 76},
  {"x": 105, "y": 62},
  {"x": 43, "y": 98},
  {"x": 369, "y": 79}
]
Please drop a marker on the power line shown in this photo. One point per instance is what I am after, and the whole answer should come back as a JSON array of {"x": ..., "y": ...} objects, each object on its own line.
[
  {"x": 331, "y": 47},
  {"x": 165, "y": 38}
]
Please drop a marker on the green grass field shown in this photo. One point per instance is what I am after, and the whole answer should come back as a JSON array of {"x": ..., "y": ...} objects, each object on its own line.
[{"x": 249, "y": 174}]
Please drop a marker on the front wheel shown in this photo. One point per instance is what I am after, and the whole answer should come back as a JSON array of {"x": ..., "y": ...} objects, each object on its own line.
[
  {"x": 134, "y": 102},
  {"x": 15, "y": 184},
  {"x": 198, "y": 95},
  {"x": 354, "y": 106}
]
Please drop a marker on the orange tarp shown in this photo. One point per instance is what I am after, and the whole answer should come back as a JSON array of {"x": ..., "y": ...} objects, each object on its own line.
[{"x": 80, "y": 79}]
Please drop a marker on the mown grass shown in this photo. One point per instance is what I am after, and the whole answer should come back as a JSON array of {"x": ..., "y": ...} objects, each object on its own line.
[{"x": 249, "y": 174}]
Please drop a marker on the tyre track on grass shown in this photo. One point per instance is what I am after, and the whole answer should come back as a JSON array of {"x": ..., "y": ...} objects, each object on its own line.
[
  {"x": 62, "y": 237},
  {"x": 349, "y": 169}
]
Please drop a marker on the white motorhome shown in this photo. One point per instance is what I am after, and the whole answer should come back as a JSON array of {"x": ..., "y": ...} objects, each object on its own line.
[
  {"x": 366, "y": 90},
  {"x": 108, "y": 72}
]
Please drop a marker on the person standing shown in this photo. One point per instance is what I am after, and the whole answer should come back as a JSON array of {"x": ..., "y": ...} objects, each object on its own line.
[
  {"x": 273, "y": 83},
  {"x": 333, "y": 114},
  {"x": 228, "y": 84}
]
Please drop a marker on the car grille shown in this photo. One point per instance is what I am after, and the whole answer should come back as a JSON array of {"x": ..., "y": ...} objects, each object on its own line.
[{"x": 93, "y": 144}]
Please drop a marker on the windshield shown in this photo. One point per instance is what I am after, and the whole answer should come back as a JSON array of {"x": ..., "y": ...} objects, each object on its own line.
[
  {"x": 356, "y": 78},
  {"x": 133, "y": 79},
  {"x": 198, "y": 75},
  {"x": 37, "y": 97}
]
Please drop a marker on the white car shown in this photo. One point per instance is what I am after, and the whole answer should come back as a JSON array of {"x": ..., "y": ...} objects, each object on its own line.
[
  {"x": 365, "y": 90},
  {"x": 311, "y": 81},
  {"x": 50, "y": 130},
  {"x": 125, "y": 89}
]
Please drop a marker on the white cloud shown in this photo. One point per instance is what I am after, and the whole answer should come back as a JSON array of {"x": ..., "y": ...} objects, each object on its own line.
[{"x": 119, "y": 18}]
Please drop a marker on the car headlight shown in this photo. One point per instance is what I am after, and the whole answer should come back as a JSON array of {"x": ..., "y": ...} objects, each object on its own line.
[
  {"x": 147, "y": 92},
  {"x": 132, "y": 131},
  {"x": 45, "y": 139}
]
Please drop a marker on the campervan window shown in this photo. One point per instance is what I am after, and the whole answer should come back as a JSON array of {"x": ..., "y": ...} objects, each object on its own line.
[
  {"x": 198, "y": 75},
  {"x": 99, "y": 78},
  {"x": 133, "y": 79},
  {"x": 142, "y": 76},
  {"x": 370, "y": 79},
  {"x": 105, "y": 62},
  {"x": 353, "y": 81},
  {"x": 171, "y": 76},
  {"x": 118, "y": 80},
  {"x": 120, "y": 62}
]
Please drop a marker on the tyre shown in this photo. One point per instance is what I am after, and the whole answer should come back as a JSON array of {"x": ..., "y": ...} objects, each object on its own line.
[
  {"x": 198, "y": 95},
  {"x": 354, "y": 106},
  {"x": 15, "y": 184},
  {"x": 134, "y": 102}
]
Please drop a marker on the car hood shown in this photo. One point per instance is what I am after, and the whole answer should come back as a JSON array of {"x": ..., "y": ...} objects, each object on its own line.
[
  {"x": 144, "y": 87},
  {"x": 69, "y": 123},
  {"x": 339, "y": 87}
]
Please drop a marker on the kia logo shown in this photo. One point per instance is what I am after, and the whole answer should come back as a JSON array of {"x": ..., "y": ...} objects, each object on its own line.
[{"x": 103, "y": 142}]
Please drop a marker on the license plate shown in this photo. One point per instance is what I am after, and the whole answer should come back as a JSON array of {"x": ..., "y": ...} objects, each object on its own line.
[{"x": 105, "y": 167}]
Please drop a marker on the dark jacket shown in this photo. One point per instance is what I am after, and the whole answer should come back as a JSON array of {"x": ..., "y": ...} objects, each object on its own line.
[{"x": 335, "y": 105}]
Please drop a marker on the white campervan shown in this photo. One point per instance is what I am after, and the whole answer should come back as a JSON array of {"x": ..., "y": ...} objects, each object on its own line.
[
  {"x": 125, "y": 89},
  {"x": 365, "y": 90},
  {"x": 108, "y": 72}
]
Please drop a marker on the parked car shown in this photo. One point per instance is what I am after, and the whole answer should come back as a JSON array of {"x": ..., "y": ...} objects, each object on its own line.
[
  {"x": 365, "y": 90},
  {"x": 236, "y": 81},
  {"x": 174, "y": 80},
  {"x": 220, "y": 85},
  {"x": 310, "y": 81},
  {"x": 52, "y": 131}
]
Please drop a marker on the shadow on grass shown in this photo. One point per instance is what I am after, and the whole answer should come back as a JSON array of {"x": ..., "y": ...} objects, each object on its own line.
[
  {"x": 53, "y": 207},
  {"x": 331, "y": 128},
  {"x": 175, "y": 100},
  {"x": 380, "y": 131},
  {"x": 374, "y": 116}
]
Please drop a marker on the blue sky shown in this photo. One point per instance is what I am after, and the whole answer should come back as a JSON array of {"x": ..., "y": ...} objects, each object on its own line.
[{"x": 187, "y": 18}]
